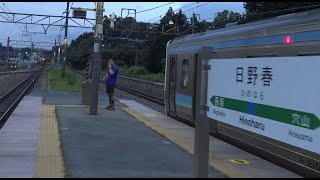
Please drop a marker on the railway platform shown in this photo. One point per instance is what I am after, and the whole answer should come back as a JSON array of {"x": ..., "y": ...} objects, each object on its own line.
[{"x": 52, "y": 135}]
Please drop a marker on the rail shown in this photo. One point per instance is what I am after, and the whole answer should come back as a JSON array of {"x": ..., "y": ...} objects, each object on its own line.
[
  {"x": 11, "y": 98},
  {"x": 151, "y": 91}
]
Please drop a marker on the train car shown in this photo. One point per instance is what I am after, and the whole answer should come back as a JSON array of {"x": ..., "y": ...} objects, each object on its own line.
[
  {"x": 296, "y": 34},
  {"x": 12, "y": 65}
]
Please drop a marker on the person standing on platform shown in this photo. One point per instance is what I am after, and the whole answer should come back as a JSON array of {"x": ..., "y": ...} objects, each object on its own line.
[{"x": 111, "y": 80}]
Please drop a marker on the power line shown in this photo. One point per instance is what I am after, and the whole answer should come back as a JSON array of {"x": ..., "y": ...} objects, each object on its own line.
[
  {"x": 174, "y": 10},
  {"x": 60, "y": 32},
  {"x": 154, "y": 8},
  {"x": 191, "y": 8},
  {"x": 9, "y": 18},
  {"x": 197, "y": 7},
  {"x": 10, "y": 12}
]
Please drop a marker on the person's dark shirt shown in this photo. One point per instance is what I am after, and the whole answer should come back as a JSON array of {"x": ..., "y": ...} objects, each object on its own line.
[{"x": 112, "y": 79}]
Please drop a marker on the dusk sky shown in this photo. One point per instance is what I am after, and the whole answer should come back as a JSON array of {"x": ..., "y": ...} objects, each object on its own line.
[{"x": 206, "y": 11}]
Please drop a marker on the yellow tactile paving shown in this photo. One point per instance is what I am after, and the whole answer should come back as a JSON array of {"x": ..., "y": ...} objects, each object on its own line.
[
  {"x": 49, "y": 158},
  {"x": 187, "y": 144}
]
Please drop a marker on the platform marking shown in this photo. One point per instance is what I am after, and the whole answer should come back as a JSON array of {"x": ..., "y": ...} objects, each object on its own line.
[
  {"x": 49, "y": 157},
  {"x": 149, "y": 115},
  {"x": 240, "y": 161}
]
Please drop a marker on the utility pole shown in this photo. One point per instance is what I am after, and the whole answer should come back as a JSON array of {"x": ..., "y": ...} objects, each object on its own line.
[
  {"x": 8, "y": 51},
  {"x": 59, "y": 50},
  {"x": 31, "y": 51},
  {"x": 96, "y": 62},
  {"x": 193, "y": 17},
  {"x": 65, "y": 41},
  {"x": 54, "y": 51}
]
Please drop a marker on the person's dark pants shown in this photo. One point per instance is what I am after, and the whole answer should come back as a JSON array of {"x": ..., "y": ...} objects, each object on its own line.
[{"x": 110, "y": 90}]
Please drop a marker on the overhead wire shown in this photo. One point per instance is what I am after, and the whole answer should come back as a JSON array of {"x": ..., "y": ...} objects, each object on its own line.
[
  {"x": 197, "y": 7},
  {"x": 174, "y": 11},
  {"x": 194, "y": 7},
  {"x": 10, "y": 21},
  {"x": 154, "y": 8},
  {"x": 10, "y": 12}
]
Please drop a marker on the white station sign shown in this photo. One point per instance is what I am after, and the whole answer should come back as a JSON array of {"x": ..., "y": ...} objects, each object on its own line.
[{"x": 277, "y": 97}]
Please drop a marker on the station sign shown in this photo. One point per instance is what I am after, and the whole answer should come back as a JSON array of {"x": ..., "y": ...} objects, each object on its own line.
[{"x": 276, "y": 97}]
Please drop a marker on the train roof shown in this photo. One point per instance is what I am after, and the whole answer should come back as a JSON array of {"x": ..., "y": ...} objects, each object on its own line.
[{"x": 276, "y": 22}]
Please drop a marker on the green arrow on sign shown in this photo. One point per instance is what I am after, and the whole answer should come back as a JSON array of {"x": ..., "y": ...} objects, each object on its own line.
[{"x": 288, "y": 116}]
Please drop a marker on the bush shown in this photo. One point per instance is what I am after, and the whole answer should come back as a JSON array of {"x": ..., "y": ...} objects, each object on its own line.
[
  {"x": 141, "y": 73},
  {"x": 135, "y": 70},
  {"x": 71, "y": 78}
]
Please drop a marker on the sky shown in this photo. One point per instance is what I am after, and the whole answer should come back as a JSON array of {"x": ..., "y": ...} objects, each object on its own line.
[{"x": 206, "y": 10}]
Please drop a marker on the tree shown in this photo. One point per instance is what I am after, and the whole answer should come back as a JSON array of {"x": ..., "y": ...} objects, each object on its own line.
[
  {"x": 169, "y": 16},
  {"x": 226, "y": 17},
  {"x": 123, "y": 42},
  {"x": 80, "y": 50},
  {"x": 180, "y": 20},
  {"x": 263, "y": 10}
]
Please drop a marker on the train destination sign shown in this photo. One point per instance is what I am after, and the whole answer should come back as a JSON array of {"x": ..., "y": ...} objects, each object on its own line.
[{"x": 277, "y": 97}]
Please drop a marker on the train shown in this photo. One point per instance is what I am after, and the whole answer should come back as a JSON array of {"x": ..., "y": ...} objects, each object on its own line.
[
  {"x": 18, "y": 64},
  {"x": 292, "y": 35},
  {"x": 12, "y": 64}
]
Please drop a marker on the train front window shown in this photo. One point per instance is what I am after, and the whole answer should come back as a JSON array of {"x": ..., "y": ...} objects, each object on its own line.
[{"x": 185, "y": 74}]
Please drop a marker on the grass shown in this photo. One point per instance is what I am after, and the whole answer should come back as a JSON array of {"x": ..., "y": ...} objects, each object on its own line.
[{"x": 54, "y": 80}]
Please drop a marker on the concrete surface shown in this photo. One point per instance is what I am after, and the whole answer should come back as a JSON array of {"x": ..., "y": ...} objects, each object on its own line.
[
  {"x": 114, "y": 144},
  {"x": 19, "y": 140},
  {"x": 219, "y": 152}
]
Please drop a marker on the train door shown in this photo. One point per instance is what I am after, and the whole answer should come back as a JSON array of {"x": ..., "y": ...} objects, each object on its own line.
[
  {"x": 185, "y": 86},
  {"x": 172, "y": 84}
]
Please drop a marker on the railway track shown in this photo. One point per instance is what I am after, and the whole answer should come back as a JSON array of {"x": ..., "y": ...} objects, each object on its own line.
[
  {"x": 12, "y": 97},
  {"x": 139, "y": 90}
]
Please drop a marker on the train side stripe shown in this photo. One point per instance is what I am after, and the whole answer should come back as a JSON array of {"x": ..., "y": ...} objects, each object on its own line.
[{"x": 288, "y": 116}]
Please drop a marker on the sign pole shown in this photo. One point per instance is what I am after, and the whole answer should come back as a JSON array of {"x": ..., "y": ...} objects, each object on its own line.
[{"x": 201, "y": 145}]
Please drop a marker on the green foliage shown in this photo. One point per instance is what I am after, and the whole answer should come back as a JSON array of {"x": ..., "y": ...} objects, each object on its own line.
[
  {"x": 69, "y": 82},
  {"x": 152, "y": 53},
  {"x": 225, "y": 17},
  {"x": 262, "y": 10},
  {"x": 80, "y": 50},
  {"x": 141, "y": 73},
  {"x": 136, "y": 70}
]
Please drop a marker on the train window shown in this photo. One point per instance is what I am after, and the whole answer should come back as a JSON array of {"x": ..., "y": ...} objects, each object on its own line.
[
  {"x": 172, "y": 69},
  {"x": 185, "y": 74}
]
